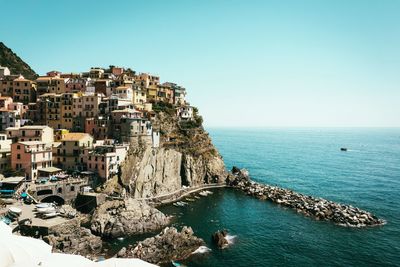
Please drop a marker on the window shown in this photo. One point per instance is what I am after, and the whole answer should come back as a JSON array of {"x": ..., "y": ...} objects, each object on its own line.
[
  {"x": 18, "y": 147},
  {"x": 18, "y": 156},
  {"x": 59, "y": 190},
  {"x": 72, "y": 188}
]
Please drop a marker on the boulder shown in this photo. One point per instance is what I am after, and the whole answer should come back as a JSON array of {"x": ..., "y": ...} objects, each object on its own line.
[
  {"x": 169, "y": 245},
  {"x": 219, "y": 239},
  {"x": 119, "y": 218}
]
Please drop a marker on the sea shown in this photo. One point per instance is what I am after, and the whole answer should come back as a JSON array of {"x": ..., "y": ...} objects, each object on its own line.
[{"x": 309, "y": 161}]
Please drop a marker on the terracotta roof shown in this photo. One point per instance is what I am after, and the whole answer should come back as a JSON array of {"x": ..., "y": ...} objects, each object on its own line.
[
  {"x": 32, "y": 143},
  {"x": 22, "y": 80},
  {"x": 44, "y": 78},
  {"x": 35, "y": 127},
  {"x": 74, "y": 136}
]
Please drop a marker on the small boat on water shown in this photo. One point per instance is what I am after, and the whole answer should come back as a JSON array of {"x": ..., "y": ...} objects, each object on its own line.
[
  {"x": 343, "y": 149},
  {"x": 190, "y": 199},
  {"x": 205, "y": 193},
  {"x": 180, "y": 204}
]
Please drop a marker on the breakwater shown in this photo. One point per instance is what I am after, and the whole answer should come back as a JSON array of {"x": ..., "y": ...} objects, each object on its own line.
[{"x": 318, "y": 208}]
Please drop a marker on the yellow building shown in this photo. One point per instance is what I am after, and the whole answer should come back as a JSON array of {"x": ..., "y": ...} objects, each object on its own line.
[
  {"x": 86, "y": 105},
  {"x": 165, "y": 93},
  {"x": 67, "y": 155},
  {"x": 24, "y": 91},
  {"x": 152, "y": 93},
  {"x": 58, "y": 109},
  {"x": 52, "y": 85}
]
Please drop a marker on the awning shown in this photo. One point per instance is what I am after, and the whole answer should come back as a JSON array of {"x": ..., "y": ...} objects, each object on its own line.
[
  {"x": 50, "y": 170},
  {"x": 12, "y": 180}
]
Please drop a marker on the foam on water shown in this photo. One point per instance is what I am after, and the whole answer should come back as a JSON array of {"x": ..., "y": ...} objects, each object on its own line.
[
  {"x": 230, "y": 238},
  {"x": 202, "y": 250}
]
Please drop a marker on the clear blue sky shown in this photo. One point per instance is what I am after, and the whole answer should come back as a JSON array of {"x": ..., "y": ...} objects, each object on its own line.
[{"x": 244, "y": 63}]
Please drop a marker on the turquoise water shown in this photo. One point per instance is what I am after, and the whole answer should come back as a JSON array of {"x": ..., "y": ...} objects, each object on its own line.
[{"x": 308, "y": 161}]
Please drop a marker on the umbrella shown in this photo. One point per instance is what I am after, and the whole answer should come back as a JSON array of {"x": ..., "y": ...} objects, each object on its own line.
[{"x": 20, "y": 249}]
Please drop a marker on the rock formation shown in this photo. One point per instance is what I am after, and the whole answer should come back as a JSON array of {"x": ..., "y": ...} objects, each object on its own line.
[
  {"x": 318, "y": 208},
  {"x": 186, "y": 157},
  {"x": 169, "y": 245},
  {"x": 219, "y": 239},
  {"x": 126, "y": 217},
  {"x": 71, "y": 238}
]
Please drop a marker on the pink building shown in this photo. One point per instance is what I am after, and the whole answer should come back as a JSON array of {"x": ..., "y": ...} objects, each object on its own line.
[
  {"x": 30, "y": 157},
  {"x": 105, "y": 157}
]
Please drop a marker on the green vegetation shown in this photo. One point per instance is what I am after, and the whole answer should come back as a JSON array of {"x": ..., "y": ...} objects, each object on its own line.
[
  {"x": 195, "y": 123},
  {"x": 164, "y": 107},
  {"x": 16, "y": 65}
]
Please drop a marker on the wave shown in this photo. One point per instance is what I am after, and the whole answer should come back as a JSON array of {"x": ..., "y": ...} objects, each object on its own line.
[
  {"x": 230, "y": 238},
  {"x": 201, "y": 250}
]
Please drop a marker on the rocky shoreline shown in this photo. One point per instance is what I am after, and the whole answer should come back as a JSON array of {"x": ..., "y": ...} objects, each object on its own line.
[
  {"x": 169, "y": 245},
  {"x": 318, "y": 208}
]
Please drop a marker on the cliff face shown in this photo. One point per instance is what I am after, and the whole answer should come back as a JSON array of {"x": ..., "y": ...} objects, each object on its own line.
[{"x": 186, "y": 157}]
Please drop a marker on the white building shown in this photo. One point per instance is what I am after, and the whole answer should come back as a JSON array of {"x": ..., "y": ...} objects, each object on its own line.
[
  {"x": 185, "y": 112},
  {"x": 5, "y": 152},
  {"x": 124, "y": 92},
  {"x": 4, "y": 71},
  {"x": 105, "y": 157}
]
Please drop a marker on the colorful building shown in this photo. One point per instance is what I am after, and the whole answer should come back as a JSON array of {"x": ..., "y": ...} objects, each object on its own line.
[
  {"x": 40, "y": 133},
  {"x": 67, "y": 154},
  {"x": 30, "y": 157},
  {"x": 105, "y": 158}
]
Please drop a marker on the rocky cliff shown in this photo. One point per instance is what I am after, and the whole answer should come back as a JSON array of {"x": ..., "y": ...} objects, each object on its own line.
[
  {"x": 186, "y": 157},
  {"x": 126, "y": 217}
]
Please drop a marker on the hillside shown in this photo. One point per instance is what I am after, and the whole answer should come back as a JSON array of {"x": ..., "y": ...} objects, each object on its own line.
[{"x": 16, "y": 65}]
